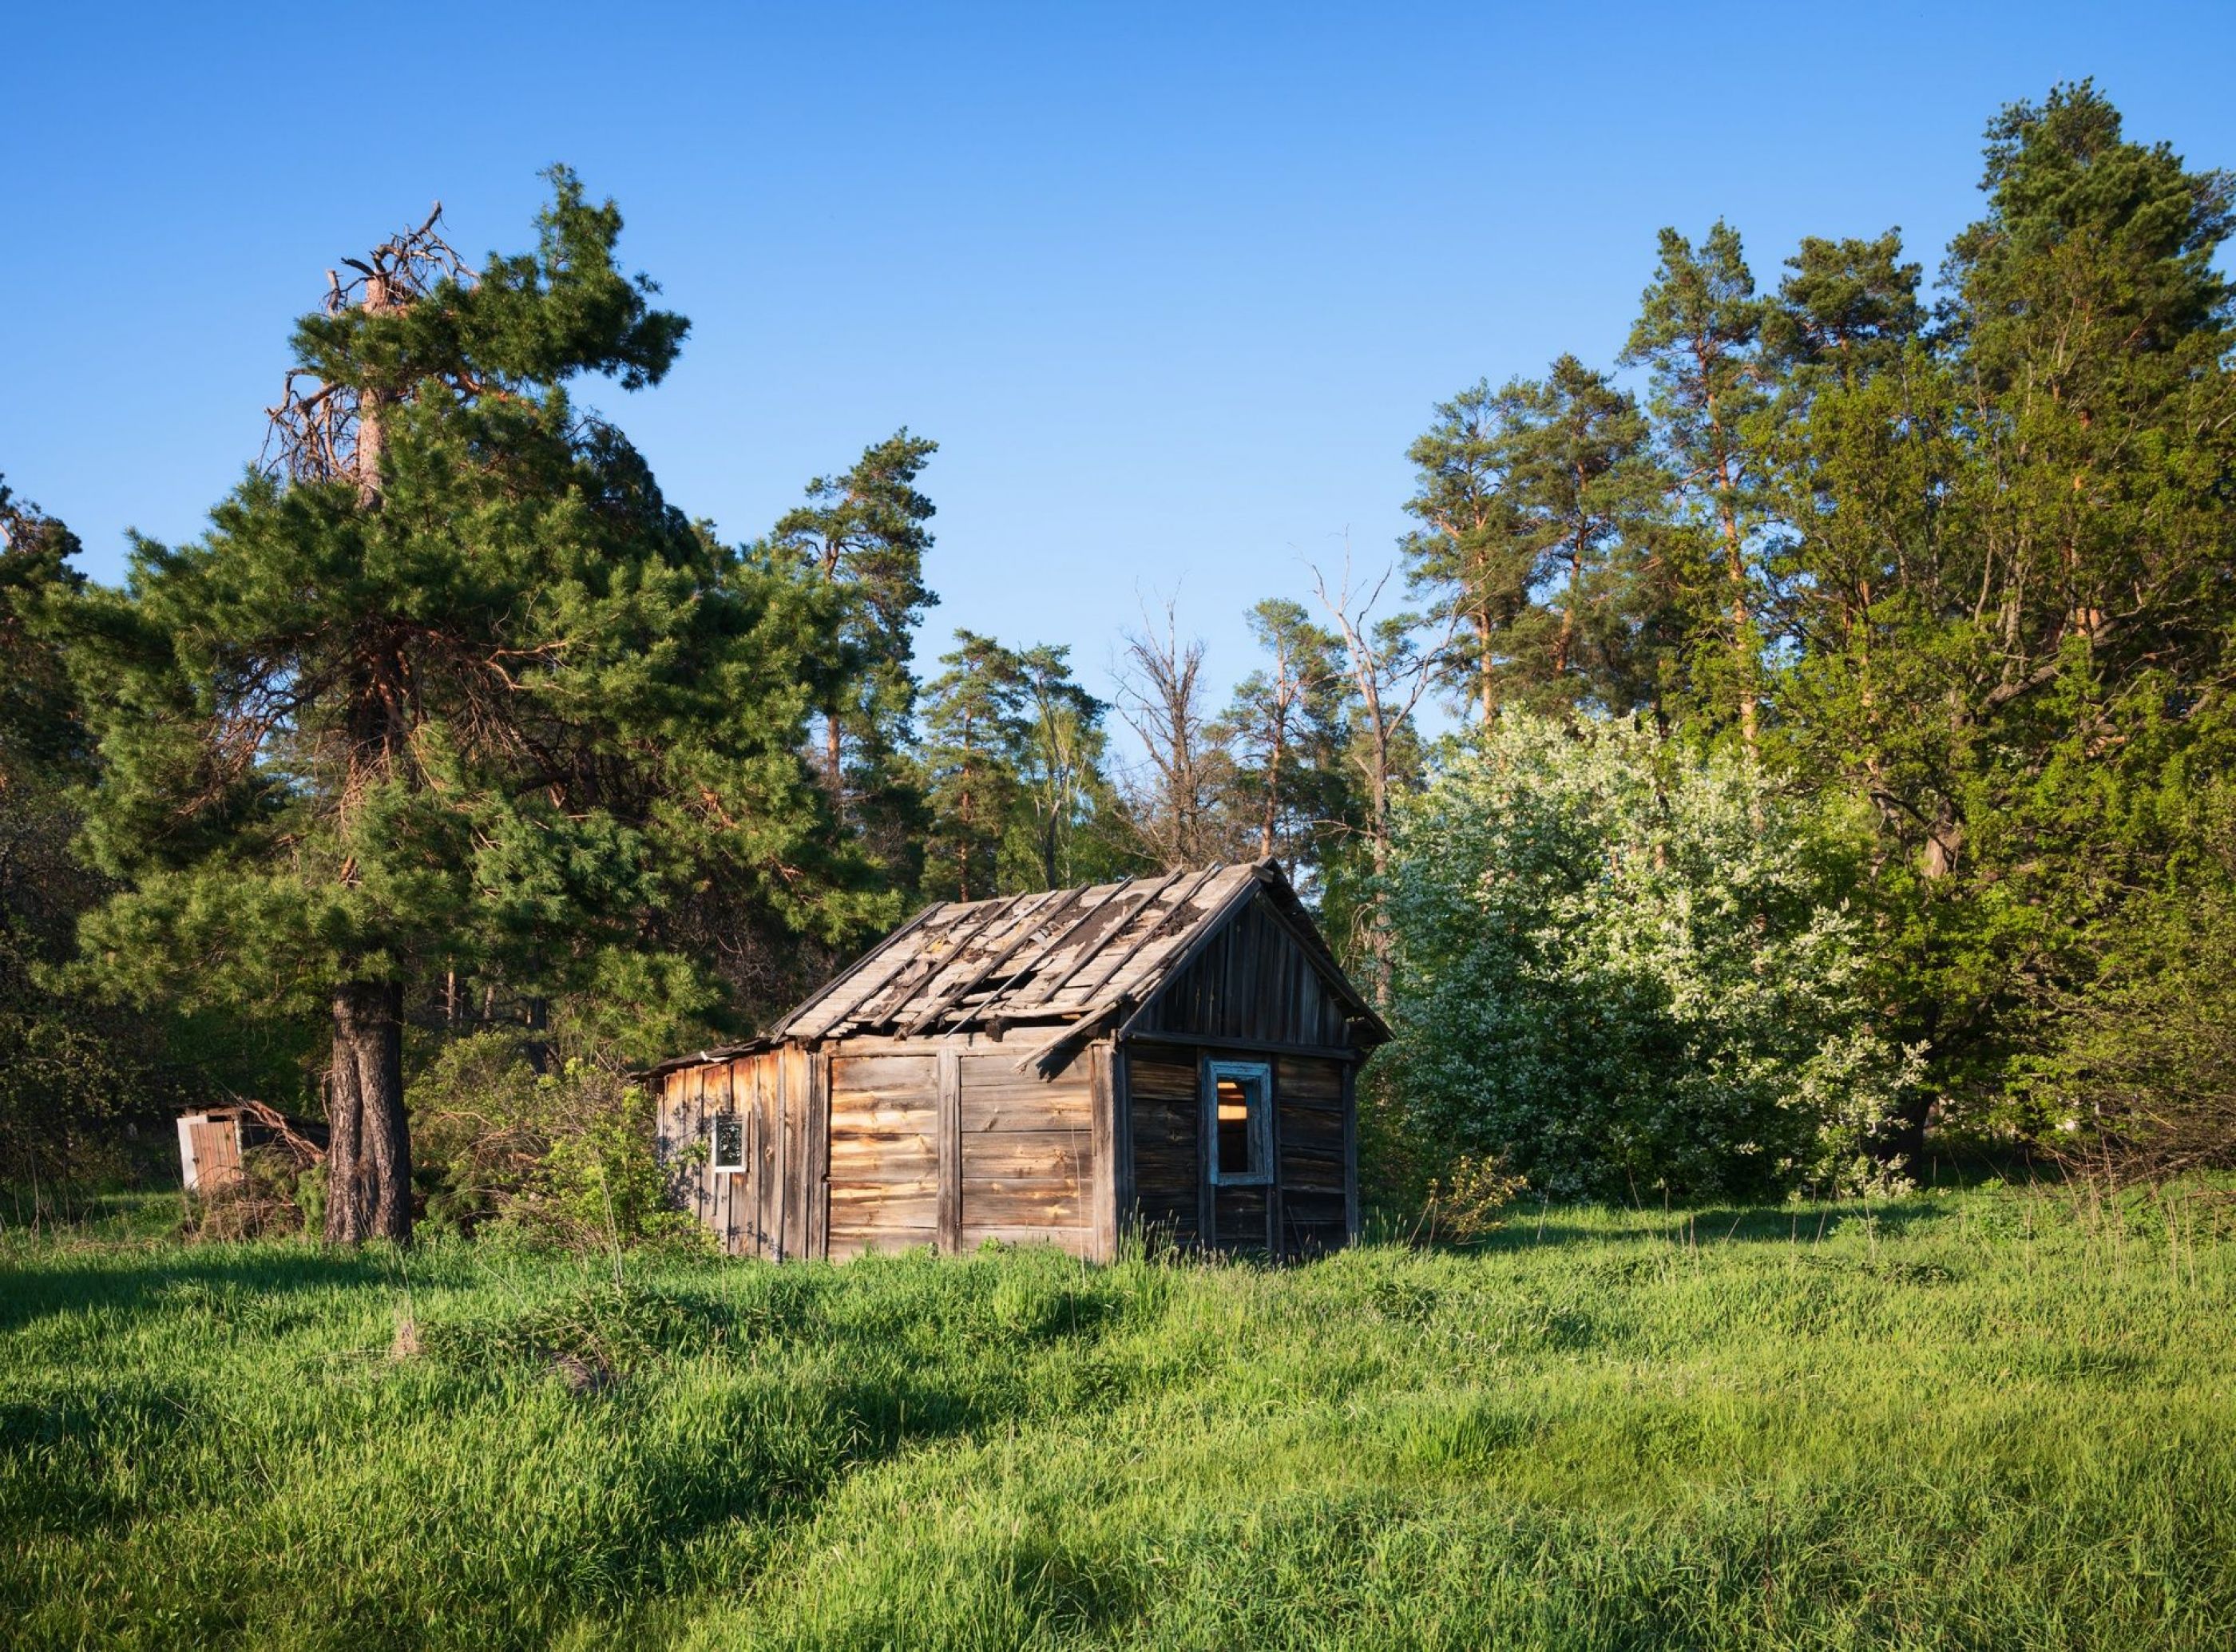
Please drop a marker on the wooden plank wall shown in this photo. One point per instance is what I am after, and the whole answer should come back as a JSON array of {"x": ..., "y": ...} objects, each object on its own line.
[
  {"x": 1253, "y": 984},
  {"x": 1165, "y": 1093},
  {"x": 1305, "y": 1211},
  {"x": 851, "y": 1151},
  {"x": 689, "y": 1098},
  {"x": 1310, "y": 1118},
  {"x": 216, "y": 1147},
  {"x": 1028, "y": 1163},
  {"x": 884, "y": 1151},
  {"x": 774, "y": 1207}
]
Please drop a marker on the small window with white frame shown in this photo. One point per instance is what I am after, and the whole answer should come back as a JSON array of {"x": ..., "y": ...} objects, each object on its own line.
[
  {"x": 1241, "y": 1101},
  {"x": 728, "y": 1131}
]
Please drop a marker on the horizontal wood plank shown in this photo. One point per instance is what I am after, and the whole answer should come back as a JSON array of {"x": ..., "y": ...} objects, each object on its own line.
[
  {"x": 1304, "y": 1079},
  {"x": 906, "y": 1205},
  {"x": 1029, "y": 1103},
  {"x": 1010, "y": 1204},
  {"x": 1157, "y": 1075},
  {"x": 1168, "y": 1122},
  {"x": 1009, "y": 1154},
  {"x": 873, "y": 1076},
  {"x": 1313, "y": 1130},
  {"x": 1311, "y": 1207}
]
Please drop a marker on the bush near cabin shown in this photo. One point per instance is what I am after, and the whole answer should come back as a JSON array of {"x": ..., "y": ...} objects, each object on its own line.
[{"x": 1624, "y": 968}]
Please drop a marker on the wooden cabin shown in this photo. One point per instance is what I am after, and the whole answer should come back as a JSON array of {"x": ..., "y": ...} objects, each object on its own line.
[{"x": 1175, "y": 1055}]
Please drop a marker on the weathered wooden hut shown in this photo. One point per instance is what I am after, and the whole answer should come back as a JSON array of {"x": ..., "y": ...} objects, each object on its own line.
[
  {"x": 213, "y": 1139},
  {"x": 1175, "y": 1055}
]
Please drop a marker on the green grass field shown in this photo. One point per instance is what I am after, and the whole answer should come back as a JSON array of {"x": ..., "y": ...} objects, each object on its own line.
[{"x": 1992, "y": 1418}]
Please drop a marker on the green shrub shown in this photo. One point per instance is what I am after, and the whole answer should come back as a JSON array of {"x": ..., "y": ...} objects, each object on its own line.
[
  {"x": 1627, "y": 970},
  {"x": 562, "y": 1158}
]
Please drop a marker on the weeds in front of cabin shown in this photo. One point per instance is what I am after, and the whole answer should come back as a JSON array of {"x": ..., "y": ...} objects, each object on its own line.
[{"x": 1990, "y": 1418}]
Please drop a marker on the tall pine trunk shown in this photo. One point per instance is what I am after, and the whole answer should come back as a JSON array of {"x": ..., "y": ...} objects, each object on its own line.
[{"x": 369, "y": 1156}]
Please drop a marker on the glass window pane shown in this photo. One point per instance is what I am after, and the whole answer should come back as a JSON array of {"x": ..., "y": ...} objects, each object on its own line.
[
  {"x": 1234, "y": 1131},
  {"x": 729, "y": 1142}
]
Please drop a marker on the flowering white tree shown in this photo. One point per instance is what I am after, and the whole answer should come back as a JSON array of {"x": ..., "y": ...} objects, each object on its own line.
[{"x": 1628, "y": 969}]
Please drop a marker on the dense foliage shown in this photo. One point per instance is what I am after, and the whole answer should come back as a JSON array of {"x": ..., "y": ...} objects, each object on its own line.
[
  {"x": 1628, "y": 969},
  {"x": 1959, "y": 560}
]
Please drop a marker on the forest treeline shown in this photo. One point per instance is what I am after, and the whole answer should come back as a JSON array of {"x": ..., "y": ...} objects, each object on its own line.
[{"x": 1842, "y": 676}]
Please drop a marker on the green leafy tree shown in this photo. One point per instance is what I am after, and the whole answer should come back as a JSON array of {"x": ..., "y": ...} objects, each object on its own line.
[
  {"x": 455, "y": 691},
  {"x": 2004, "y": 577},
  {"x": 1624, "y": 969}
]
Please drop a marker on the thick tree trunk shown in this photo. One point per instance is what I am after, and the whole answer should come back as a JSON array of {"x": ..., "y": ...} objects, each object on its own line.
[{"x": 369, "y": 1159}]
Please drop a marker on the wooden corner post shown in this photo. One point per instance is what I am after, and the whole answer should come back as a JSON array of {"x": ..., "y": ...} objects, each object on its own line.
[{"x": 950, "y": 1149}]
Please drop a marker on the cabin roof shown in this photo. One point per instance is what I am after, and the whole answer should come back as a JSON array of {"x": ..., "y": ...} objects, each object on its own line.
[{"x": 1060, "y": 956}]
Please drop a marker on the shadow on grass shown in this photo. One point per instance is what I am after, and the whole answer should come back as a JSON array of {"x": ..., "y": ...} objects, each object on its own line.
[
  {"x": 1703, "y": 1225},
  {"x": 142, "y": 1278}
]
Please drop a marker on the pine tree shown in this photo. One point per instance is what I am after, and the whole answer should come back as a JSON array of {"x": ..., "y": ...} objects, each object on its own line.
[
  {"x": 972, "y": 727},
  {"x": 1699, "y": 329},
  {"x": 1067, "y": 832},
  {"x": 1473, "y": 555},
  {"x": 1285, "y": 730},
  {"x": 2005, "y": 581},
  {"x": 864, "y": 534},
  {"x": 451, "y": 689},
  {"x": 41, "y": 732},
  {"x": 1584, "y": 487},
  {"x": 1011, "y": 760}
]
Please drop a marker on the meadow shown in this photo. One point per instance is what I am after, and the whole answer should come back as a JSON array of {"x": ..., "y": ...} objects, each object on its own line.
[{"x": 1993, "y": 1417}]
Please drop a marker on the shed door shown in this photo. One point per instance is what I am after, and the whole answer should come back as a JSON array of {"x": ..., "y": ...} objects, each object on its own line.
[{"x": 216, "y": 1147}]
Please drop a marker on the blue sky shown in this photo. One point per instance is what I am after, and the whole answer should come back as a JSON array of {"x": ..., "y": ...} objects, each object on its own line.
[{"x": 1172, "y": 287}]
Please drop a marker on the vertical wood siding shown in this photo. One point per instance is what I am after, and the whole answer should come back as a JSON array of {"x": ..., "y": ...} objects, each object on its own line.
[{"x": 1252, "y": 981}]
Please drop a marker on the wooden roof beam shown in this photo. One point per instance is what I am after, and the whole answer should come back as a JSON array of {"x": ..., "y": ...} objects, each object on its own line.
[
  {"x": 1041, "y": 994},
  {"x": 953, "y": 994},
  {"x": 1156, "y": 926}
]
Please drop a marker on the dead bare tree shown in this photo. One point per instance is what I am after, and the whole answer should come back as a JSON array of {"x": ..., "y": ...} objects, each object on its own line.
[
  {"x": 321, "y": 431},
  {"x": 1174, "y": 800},
  {"x": 1392, "y": 670}
]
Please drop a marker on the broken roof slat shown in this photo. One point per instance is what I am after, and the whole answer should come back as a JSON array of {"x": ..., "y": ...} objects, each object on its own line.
[
  {"x": 1048, "y": 956},
  {"x": 829, "y": 1004},
  {"x": 1055, "y": 942},
  {"x": 945, "y": 998},
  {"x": 1152, "y": 925},
  {"x": 1124, "y": 911},
  {"x": 921, "y": 959}
]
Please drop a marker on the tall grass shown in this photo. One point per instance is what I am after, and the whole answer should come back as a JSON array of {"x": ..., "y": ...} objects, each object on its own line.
[{"x": 1988, "y": 1418}]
